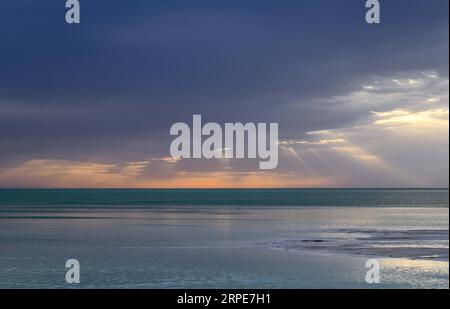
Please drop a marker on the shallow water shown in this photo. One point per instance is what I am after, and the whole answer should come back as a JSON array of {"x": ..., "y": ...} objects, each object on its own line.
[{"x": 223, "y": 246}]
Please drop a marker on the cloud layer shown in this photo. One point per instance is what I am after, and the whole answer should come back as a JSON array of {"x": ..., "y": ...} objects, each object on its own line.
[{"x": 91, "y": 105}]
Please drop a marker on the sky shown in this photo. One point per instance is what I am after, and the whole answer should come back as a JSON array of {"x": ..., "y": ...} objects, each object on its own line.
[{"x": 91, "y": 105}]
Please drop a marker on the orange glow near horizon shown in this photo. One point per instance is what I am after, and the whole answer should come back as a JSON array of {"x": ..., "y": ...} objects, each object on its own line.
[{"x": 69, "y": 174}]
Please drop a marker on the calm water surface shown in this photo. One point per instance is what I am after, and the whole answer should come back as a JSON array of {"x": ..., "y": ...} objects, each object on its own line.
[{"x": 224, "y": 238}]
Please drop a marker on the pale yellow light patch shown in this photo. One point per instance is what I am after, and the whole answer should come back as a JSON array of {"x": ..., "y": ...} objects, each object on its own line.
[
  {"x": 437, "y": 117},
  {"x": 171, "y": 160},
  {"x": 360, "y": 154},
  {"x": 317, "y": 142},
  {"x": 140, "y": 163},
  {"x": 433, "y": 100}
]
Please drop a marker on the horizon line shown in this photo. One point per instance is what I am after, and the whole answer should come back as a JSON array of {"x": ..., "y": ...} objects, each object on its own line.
[{"x": 225, "y": 188}]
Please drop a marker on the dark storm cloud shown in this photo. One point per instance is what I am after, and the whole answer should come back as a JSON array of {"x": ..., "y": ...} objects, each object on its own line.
[{"x": 113, "y": 85}]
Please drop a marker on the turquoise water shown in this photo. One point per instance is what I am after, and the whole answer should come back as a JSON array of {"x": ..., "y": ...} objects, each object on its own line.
[
  {"x": 244, "y": 197},
  {"x": 224, "y": 238}
]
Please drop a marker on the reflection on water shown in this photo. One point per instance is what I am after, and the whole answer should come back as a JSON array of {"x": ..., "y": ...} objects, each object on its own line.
[
  {"x": 219, "y": 247},
  {"x": 421, "y": 273}
]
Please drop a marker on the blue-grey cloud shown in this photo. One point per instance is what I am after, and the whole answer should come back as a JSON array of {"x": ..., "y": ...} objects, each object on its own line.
[{"x": 109, "y": 88}]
